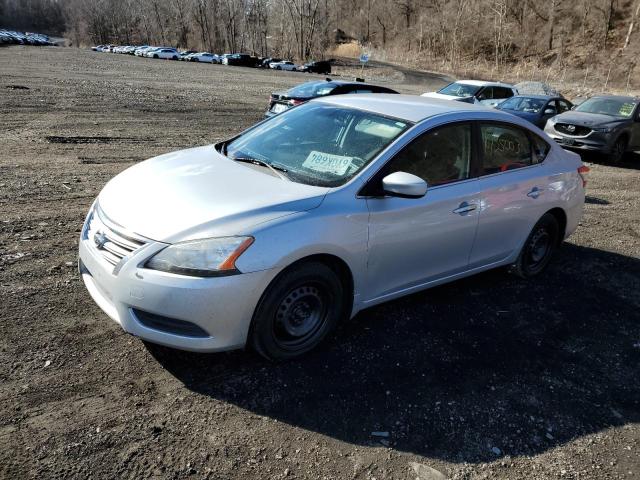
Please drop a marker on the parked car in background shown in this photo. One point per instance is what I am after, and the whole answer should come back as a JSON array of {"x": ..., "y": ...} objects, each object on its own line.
[
  {"x": 240, "y": 60},
  {"x": 305, "y": 219},
  {"x": 141, "y": 51},
  {"x": 475, "y": 91},
  {"x": 283, "y": 65},
  {"x": 609, "y": 124},
  {"x": 163, "y": 53},
  {"x": 537, "y": 109},
  {"x": 281, "y": 101},
  {"x": 204, "y": 57},
  {"x": 323, "y": 67},
  {"x": 264, "y": 63},
  {"x": 186, "y": 53}
]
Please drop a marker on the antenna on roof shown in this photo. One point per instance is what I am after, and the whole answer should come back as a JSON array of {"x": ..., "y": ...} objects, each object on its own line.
[
  {"x": 358, "y": 79},
  {"x": 328, "y": 79}
]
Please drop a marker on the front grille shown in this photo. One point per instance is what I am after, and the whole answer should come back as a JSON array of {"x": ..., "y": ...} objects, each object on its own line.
[
  {"x": 112, "y": 244},
  {"x": 573, "y": 130}
]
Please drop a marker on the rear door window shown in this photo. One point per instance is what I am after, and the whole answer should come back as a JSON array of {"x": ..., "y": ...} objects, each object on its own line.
[
  {"x": 502, "y": 92},
  {"x": 504, "y": 148}
]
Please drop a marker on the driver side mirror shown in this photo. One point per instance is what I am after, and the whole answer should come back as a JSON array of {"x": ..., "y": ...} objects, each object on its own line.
[
  {"x": 549, "y": 111},
  {"x": 404, "y": 185}
]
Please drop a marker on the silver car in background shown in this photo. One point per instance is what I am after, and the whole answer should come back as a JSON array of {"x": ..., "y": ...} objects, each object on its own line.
[{"x": 273, "y": 237}]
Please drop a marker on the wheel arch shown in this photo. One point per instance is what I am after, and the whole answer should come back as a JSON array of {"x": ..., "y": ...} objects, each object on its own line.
[
  {"x": 561, "y": 217},
  {"x": 340, "y": 268},
  {"x": 335, "y": 263}
]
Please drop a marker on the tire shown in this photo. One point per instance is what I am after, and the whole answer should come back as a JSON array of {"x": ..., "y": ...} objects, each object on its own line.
[
  {"x": 297, "y": 311},
  {"x": 618, "y": 150},
  {"x": 195, "y": 60},
  {"x": 156, "y": 56},
  {"x": 278, "y": 68},
  {"x": 175, "y": 58},
  {"x": 538, "y": 248}
]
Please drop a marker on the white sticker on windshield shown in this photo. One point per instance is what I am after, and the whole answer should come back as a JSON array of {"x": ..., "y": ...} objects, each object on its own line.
[{"x": 327, "y": 163}]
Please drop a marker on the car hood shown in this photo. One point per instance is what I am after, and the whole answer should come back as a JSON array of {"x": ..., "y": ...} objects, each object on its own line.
[
  {"x": 199, "y": 193},
  {"x": 587, "y": 119}
]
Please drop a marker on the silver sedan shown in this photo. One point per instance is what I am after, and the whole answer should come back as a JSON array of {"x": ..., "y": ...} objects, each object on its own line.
[{"x": 273, "y": 237}]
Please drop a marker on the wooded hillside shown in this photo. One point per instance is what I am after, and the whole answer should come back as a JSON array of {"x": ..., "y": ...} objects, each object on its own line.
[{"x": 555, "y": 39}]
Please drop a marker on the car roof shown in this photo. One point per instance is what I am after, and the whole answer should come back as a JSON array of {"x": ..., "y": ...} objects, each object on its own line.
[
  {"x": 405, "y": 107},
  {"x": 539, "y": 97},
  {"x": 482, "y": 83},
  {"x": 618, "y": 97},
  {"x": 342, "y": 82}
]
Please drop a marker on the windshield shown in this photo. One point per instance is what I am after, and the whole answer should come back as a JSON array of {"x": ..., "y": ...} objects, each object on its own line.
[
  {"x": 620, "y": 108},
  {"x": 460, "y": 90},
  {"x": 318, "y": 144},
  {"x": 523, "y": 104},
  {"x": 311, "y": 90}
]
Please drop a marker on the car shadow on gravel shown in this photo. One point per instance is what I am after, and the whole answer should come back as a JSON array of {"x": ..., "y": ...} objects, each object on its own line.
[
  {"x": 467, "y": 372},
  {"x": 631, "y": 160}
]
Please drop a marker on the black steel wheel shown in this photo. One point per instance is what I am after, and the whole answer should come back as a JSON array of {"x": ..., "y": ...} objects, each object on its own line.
[
  {"x": 297, "y": 311},
  {"x": 539, "y": 247}
]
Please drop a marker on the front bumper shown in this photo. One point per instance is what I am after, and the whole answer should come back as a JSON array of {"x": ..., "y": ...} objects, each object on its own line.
[
  {"x": 595, "y": 141},
  {"x": 221, "y": 306}
]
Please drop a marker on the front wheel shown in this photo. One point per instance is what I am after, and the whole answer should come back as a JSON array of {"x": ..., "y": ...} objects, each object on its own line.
[
  {"x": 619, "y": 149},
  {"x": 298, "y": 310},
  {"x": 538, "y": 248},
  {"x": 156, "y": 56}
]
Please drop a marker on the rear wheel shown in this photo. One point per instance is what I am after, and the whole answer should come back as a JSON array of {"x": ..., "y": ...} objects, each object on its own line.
[
  {"x": 539, "y": 247},
  {"x": 619, "y": 149},
  {"x": 298, "y": 310}
]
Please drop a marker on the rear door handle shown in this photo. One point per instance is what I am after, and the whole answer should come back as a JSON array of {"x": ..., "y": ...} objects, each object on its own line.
[
  {"x": 535, "y": 192},
  {"x": 465, "y": 208}
]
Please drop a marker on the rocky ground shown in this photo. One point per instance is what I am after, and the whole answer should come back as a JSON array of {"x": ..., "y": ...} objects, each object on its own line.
[{"x": 491, "y": 377}]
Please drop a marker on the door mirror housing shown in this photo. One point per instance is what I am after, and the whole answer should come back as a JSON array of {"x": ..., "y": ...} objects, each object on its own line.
[
  {"x": 404, "y": 185},
  {"x": 549, "y": 111}
]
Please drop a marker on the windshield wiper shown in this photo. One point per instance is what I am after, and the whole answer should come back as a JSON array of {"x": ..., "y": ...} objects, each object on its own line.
[{"x": 274, "y": 167}]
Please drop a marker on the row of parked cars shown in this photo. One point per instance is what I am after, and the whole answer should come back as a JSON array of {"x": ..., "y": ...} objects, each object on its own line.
[
  {"x": 235, "y": 59},
  {"x": 11, "y": 37},
  {"x": 608, "y": 124}
]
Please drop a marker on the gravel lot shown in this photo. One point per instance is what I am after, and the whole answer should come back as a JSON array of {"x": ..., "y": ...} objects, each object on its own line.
[{"x": 491, "y": 377}]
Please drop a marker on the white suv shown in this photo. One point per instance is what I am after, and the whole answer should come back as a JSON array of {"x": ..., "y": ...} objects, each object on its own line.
[{"x": 475, "y": 91}]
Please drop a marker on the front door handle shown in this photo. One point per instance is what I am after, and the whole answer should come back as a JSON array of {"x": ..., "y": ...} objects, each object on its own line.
[
  {"x": 535, "y": 192},
  {"x": 465, "y": 208}
]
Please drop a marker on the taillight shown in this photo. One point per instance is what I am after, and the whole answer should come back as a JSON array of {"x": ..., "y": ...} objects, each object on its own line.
[
  {"x": 293, "y": 102},
  {"x": 582, "y": 171}
]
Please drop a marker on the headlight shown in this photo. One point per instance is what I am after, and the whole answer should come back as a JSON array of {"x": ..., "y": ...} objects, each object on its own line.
[{"x": 201, "y": 258}]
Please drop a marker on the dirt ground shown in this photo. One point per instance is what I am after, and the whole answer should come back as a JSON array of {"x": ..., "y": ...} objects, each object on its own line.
[{"x": 491, "y": 377}]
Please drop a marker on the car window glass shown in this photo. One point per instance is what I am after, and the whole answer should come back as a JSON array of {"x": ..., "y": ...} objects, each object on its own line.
[
  {"x": 486, "y": 93},
  {"x": 563, "y": 106},
  {"x": 501, "y": 92},
  {"x": 540, "y": 149},
  {"x": 438, "y": 157},
  {"x": 504, "y": 148},
  {"x": 318, "y": 144},
  {"x": 362, "y": 90}
]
